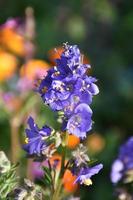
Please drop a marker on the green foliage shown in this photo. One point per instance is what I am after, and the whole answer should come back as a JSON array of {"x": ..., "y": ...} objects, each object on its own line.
[
  {"x": 8, "y": 181},
  {"x": 28, "y": 191},
  {"x": 47, "y": 176}
]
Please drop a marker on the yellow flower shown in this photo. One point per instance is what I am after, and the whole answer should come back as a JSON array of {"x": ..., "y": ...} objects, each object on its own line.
[{"x": 8, "y": 65}]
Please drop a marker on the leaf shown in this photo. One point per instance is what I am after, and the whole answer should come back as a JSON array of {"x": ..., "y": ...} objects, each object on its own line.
[
  {"x": 47, "y": 175},
  {"x": 92, "y": 162}
]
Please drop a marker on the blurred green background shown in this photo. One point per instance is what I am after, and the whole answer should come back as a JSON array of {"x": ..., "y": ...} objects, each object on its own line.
[{"x": 103, "y": 29}]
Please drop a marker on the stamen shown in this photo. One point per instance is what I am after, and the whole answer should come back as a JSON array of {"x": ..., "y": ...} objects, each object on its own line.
[
  {"x": 87, "y": 181},
  {"x": 44, "y": 90},
  {"x": 26, "y": 140}
]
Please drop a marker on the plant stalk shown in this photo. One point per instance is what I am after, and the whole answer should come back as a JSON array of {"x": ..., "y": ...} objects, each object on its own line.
[{"x": 57, "y": 193}]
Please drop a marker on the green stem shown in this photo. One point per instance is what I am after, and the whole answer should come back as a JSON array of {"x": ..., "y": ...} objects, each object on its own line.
[
  {"x": 52, "y": 178},
  {"x": 63, "y": 162},
  {"x": 56, "y": 195}
]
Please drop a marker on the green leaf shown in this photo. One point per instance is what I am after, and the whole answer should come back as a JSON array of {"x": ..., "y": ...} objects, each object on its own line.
[
  {"x": 47, "y": 175},
  {"x": 92, "y": 162}
]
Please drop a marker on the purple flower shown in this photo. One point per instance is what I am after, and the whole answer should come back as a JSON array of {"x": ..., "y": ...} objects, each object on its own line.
[
  {"x": 116, "y": 173},
  {"x": 68, "y": 89},
  {"x": 124, "y": 161},
  {"x": 36, "y": 138},
  {"x": 79, "y": 90},
  {"x": 70, "y": 57},
  {"x": 84, "y": 89},
  {"x": 24, "y": 85},
  {"x": 57, "y": 94},
  {"x": 37, "y": 171},
  {"x": 80, "y": 122},
  {"x": 72, "y": 61},
  {"x": 63, "y": 80},
  {"x": 86, "y": 173},
  {"x": 126, "y": 154},
  {"x": 11, "y": 23}
]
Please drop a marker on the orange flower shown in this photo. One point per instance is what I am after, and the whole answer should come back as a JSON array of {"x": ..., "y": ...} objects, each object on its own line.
[
  {"x": 73, "y": 141},
  {"x": 95, "y": 143},
  {"x": 54, "y": 54},
  {"x": 34, "y": 69},
  {"x": 85, "y": 60},
  {"x": 12, "y": 40},
  {"x": 68, "y": 182},
  {"x": 8, "y": 65},
  {"x": 68, "y": 178}
]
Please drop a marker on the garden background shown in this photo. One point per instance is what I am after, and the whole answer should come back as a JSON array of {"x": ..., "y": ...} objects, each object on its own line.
[{"x": 103, "y": 30}]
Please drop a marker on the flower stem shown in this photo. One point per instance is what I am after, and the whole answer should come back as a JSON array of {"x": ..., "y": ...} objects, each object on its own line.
[
  {"x": 63, "y": 162},
  {"x": 15, "y": 144},
  {"x": 57, "y": 193}
]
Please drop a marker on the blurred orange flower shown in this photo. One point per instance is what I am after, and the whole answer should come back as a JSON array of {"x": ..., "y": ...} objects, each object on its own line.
[
  {"x": 68, "y": 178},
  {"x": 54, "y": 54},
  {"x": 85, "y": 59},
  {"x": 95, "y": 143},
  {"x": 12, "y": 40},
  {"x": 73, "y": 141},
  {"x": 34, "y": 69},
  {"x": 8, "y": 65},
  {"x": 68, "y": 181}
]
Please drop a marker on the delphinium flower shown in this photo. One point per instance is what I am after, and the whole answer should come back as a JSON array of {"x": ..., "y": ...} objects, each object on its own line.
[
  {"x": 69, "y": 91},
  {"x": 122, "y": 169},
  {"x": 124, "y": 162},
  {"x": 80, "y": 122}
]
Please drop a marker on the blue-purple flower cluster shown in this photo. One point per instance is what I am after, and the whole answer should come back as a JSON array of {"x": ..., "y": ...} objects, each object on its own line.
[
  {"x": 68, "y": 89},
  {"x": 124, "y": 163}
]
